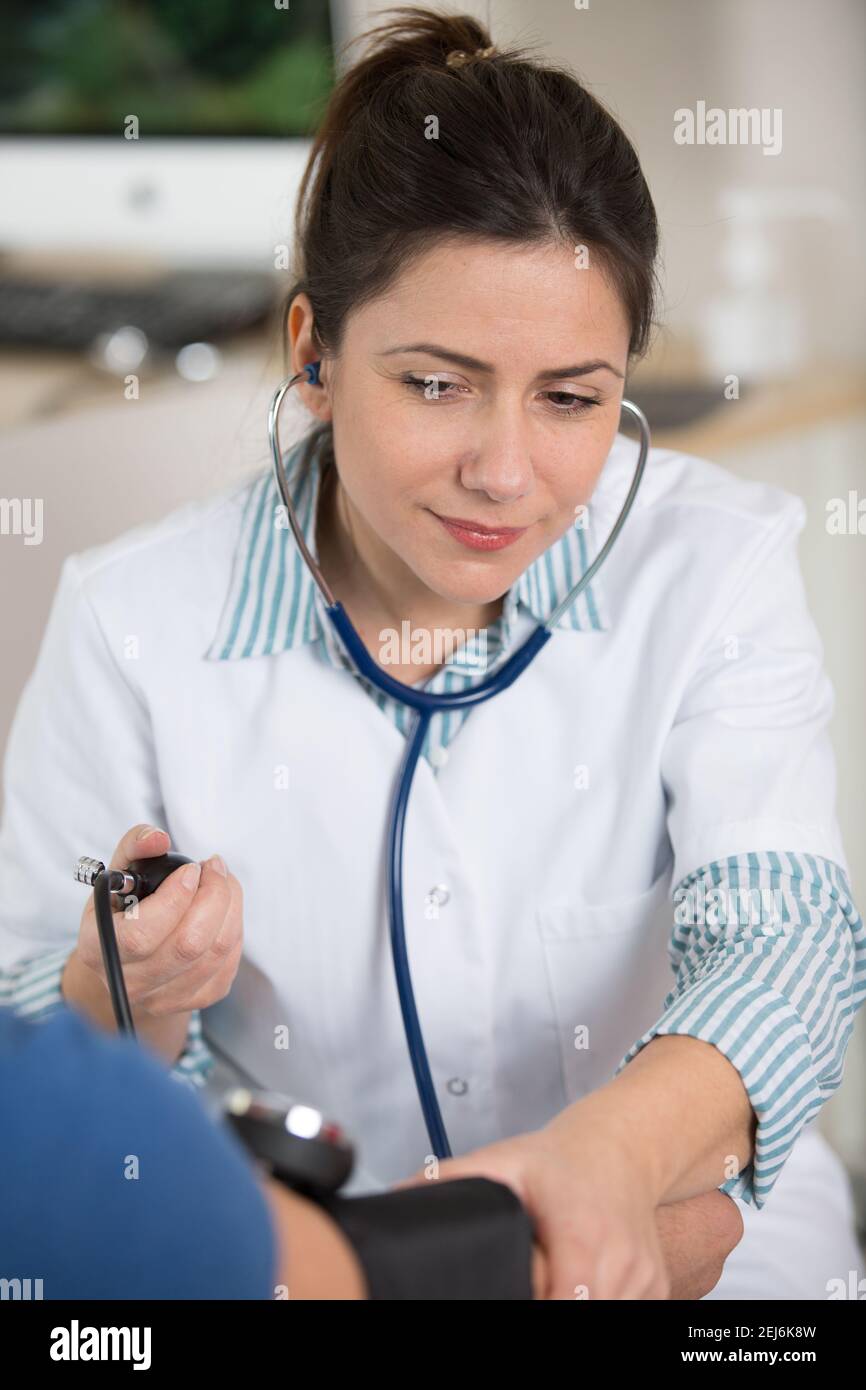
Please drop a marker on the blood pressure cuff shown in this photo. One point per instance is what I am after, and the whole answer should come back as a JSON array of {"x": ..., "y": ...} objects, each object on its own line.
[{"x": 462, "y": 1238}]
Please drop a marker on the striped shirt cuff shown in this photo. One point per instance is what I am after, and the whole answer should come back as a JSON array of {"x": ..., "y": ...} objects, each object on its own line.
[
  {"x": 196, "y": 1060},
  {"x": 770, "y": 959},
  {"x": 31, "y": 989}
]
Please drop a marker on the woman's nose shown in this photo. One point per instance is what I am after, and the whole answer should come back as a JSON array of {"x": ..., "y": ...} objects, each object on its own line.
[{"x": 499, "y": 464}]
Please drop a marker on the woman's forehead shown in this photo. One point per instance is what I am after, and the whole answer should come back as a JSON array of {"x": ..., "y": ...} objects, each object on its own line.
[{"x": 487, "y": 301}]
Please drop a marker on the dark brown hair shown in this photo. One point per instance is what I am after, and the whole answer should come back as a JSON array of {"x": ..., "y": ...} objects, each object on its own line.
[{"x": 524, "y": 154}]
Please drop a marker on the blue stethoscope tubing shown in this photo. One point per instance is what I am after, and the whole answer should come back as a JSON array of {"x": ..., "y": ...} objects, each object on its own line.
[{"x": 425, "y": 704}]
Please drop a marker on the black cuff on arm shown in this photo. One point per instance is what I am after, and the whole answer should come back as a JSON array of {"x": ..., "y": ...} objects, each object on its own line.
[{"x": 462, "y": 1238}]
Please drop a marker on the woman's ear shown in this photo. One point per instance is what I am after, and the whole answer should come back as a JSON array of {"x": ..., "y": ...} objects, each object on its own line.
[{"x": 299, "y": 328}]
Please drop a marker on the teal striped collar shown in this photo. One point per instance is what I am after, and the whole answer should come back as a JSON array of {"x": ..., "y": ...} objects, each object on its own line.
[{"x": 272, "y": 604}]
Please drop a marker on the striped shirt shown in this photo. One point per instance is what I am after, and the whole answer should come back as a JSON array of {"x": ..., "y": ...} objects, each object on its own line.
[{"x": 768, "y": 951}]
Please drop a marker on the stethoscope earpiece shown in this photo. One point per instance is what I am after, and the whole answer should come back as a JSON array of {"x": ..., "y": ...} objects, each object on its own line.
[{"x": 311, "y": 371}]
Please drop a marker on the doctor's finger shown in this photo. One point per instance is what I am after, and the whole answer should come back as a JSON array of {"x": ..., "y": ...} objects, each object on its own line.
[
  {"x": 143, "y": 924},
  {"x": 140, "y": 842},
  {"x": 196, "y": 988},
  {"x": 571, "y": 1269},
  {"x": 139, "y": 925},
  {"x": 205, "y": 935},
  {"x": 605, "y": 1266},
  {"x": 174, "y": 927},
  {"x": 630, "y": 1267}
]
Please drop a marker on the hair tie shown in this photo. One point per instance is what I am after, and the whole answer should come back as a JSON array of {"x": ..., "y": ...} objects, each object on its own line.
[{"x": 458, "y": 59}]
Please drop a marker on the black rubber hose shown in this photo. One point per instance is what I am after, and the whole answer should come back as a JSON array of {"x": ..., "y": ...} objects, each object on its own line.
[{"x": 110, "y": 956}]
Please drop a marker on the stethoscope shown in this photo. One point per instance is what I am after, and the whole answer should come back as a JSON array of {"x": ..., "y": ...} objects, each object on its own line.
[{"x": 426, "y": 704}]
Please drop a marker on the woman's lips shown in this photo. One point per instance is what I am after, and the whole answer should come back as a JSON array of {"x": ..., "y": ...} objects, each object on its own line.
[{"x": 479, "y": 537}]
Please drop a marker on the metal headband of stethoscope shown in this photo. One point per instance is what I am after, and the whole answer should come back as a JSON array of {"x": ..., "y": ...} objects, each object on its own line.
[{"x": 426, "y": 703}]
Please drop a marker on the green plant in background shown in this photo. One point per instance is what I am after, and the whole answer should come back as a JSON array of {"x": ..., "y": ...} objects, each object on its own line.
[{"x": 181, "y": 66}]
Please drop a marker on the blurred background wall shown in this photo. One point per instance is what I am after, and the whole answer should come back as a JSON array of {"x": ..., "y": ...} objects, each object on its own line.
[{"x": 149, "y": 157}]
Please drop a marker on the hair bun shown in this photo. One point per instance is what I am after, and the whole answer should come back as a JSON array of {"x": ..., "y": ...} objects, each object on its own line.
[{"x": 458, "y": 59}]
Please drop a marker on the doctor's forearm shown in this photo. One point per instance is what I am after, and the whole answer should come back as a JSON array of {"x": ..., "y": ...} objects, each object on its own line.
[
  {"x": 680, "y": 1108},
  {"x": 88, "y": 993}
]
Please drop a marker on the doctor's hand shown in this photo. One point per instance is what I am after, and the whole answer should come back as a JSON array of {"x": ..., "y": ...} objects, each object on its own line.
[
  {"x": 180, "y": 947},
  {"x": 594, "y": 1219},
  {"x": 599, "y": 1233}
]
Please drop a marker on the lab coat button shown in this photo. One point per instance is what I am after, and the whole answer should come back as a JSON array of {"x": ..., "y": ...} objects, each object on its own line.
[
  {"x": 438, "y": 895},
  {"x": 457, "y": 1086}
]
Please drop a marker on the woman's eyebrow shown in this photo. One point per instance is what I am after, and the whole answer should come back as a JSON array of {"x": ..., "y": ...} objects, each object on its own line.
[{"x": 460, "y": 359}]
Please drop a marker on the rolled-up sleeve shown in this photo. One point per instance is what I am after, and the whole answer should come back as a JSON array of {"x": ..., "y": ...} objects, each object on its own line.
[
  {"x": 767, "y": 947},
  {"x": 770, "y": 959}
]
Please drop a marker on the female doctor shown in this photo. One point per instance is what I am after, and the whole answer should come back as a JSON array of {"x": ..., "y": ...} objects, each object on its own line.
[{"x": 476, "y": 253}]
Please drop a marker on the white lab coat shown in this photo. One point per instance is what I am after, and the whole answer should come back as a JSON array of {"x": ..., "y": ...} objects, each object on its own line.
[{"x": 557, "y": 897}]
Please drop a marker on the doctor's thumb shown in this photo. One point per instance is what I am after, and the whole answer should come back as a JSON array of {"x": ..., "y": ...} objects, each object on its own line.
[{"x": 140, "y": 842}]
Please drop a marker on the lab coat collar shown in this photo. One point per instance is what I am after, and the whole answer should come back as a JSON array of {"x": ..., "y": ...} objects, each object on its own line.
[{"x": 273, "y": 605}]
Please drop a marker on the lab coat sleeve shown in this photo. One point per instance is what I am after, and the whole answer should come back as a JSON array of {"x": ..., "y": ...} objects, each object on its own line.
[
  {"x": 79, "y": 769},
  {"x": 771, "y": 968},
  {"x": 770, "y": 959}
]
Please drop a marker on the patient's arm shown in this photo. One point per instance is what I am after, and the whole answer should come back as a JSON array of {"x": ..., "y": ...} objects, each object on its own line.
[
  {"x": 314, "y": 1258},
  {"x": 316, "y": 1261},
  {"x": 697, "y": 1235}
]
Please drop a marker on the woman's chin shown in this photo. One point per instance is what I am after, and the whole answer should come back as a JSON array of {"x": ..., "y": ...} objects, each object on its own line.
[{"x": 471, "y": 591}]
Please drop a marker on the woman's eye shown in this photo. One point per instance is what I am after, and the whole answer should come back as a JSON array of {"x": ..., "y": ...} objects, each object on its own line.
[
  {"x": 433, "y": 387},
  {"x": 566, "y": 403}
]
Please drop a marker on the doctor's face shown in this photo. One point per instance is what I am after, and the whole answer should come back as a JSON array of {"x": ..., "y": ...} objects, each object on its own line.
[{"x": 473, "y": 407}]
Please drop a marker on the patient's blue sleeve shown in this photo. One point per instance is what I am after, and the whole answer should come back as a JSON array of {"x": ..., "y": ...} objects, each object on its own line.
[{"x": 115, "y": 1182}]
